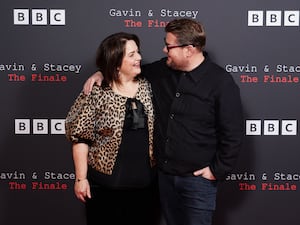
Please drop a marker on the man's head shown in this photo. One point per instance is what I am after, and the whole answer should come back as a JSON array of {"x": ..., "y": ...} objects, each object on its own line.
[{"x": 185, "y": 39}]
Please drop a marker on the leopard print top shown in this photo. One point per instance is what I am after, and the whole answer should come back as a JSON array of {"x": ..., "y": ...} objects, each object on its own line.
[{"x": 98, "y": 119}]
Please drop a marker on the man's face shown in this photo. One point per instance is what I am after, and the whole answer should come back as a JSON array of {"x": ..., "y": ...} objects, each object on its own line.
[{"x": 175, "y": 52}]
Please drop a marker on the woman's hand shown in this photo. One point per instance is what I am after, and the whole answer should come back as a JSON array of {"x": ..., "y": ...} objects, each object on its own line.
[{"x": 82, "y": 189}]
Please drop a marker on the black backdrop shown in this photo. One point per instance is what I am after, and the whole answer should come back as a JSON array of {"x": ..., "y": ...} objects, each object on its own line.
[{"x": 258, "y": 42}]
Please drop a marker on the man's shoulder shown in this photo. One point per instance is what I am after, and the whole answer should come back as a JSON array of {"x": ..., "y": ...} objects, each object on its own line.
[
  {"x": 218, "y": 69},
  {"x": 155, "y": 68},
  {"x": 156, "y": 64}
]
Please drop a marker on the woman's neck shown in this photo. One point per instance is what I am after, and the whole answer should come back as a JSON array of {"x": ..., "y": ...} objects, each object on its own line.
[{"x": 127, "y": 88}]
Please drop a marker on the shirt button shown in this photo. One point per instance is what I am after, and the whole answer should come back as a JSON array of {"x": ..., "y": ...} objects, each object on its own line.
[
  {"x": 177, "y": 94},
  {"x": 166, "y": 161},
  {"x": 172, "y": 116}
]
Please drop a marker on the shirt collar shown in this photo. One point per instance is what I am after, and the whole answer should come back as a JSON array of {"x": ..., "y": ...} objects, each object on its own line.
[{"x": 197, "y": 73}]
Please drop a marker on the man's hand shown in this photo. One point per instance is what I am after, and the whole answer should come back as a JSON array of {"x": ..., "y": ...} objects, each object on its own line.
[
  {"x": 205, "y": 173},
  {"x": 96, "y": 78}
]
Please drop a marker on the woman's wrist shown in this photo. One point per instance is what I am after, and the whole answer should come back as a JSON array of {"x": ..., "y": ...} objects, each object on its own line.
[{"x": 80, "y": 179}]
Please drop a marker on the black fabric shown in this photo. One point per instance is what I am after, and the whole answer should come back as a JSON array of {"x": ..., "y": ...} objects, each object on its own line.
[
  {"x": 123, "y": 207},
  {"x": 132, "y": 168},
  {"x": 135, "y": 116},
  {"x": 198, "y": 118}
]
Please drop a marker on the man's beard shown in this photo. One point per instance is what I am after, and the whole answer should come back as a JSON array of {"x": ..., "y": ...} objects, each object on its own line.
[{"x": 173, "y": 65}]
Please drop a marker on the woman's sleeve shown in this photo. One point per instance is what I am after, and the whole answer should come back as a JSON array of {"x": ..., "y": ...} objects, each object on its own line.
[{"x": 80, "y": 120}]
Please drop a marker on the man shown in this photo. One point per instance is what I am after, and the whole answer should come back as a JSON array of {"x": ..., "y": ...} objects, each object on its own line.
[{"x": 199, "y": 124}]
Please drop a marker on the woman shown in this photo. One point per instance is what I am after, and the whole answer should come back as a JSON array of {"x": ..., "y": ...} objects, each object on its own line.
[{"x": 112, "y": 135}]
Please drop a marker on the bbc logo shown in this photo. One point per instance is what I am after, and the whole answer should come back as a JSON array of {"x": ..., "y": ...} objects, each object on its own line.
[
  {"x": 271, "y": 127},
  {"x": 39, "y": 17},
  {"x": 274, "y": 18},
  {"x": 39, "y": 126}
]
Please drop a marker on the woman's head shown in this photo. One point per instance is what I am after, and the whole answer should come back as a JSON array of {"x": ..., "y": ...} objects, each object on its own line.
[{"x": 118, "y": 53}]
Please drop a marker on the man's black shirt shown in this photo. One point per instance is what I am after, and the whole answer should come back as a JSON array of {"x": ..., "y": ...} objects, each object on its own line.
[{"x": 198, "y": 118}]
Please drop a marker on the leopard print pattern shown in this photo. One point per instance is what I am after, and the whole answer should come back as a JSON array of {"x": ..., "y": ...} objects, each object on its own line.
[{"x": 97, "y": 119}]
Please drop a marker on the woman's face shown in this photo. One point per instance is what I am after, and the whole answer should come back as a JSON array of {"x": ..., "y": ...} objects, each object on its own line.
[{"x": 131, "y": 63}]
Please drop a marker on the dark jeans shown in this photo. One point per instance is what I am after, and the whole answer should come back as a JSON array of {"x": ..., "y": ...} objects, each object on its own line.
[{"x": 187, "y": 200}]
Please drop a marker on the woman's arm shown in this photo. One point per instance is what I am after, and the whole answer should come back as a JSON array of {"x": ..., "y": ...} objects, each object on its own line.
[{"x": 80, "y": 158}]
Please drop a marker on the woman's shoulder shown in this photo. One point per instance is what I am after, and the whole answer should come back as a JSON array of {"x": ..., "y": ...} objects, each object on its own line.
[
  {"x": 143, "y": 80},
  {"x": 100, "y": 94},
  {"x": 99, "y": 90}
]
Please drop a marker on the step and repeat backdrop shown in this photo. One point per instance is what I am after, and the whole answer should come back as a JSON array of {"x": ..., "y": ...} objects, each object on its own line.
[{"x": 47, "y": 51}]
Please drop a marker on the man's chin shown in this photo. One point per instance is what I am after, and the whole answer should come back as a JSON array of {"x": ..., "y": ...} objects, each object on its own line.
[{"x": 169, "y": 63}]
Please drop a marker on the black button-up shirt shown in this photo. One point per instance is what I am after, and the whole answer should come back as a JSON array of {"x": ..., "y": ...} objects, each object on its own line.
[{"x": 198, "y": 118}]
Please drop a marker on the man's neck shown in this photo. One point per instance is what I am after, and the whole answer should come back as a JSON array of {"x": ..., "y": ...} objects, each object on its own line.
[{"x": 195, "y": 61}]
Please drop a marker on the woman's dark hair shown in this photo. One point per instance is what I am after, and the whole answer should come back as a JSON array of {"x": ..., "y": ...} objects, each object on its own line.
[{"x": 110, "y": 54}]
